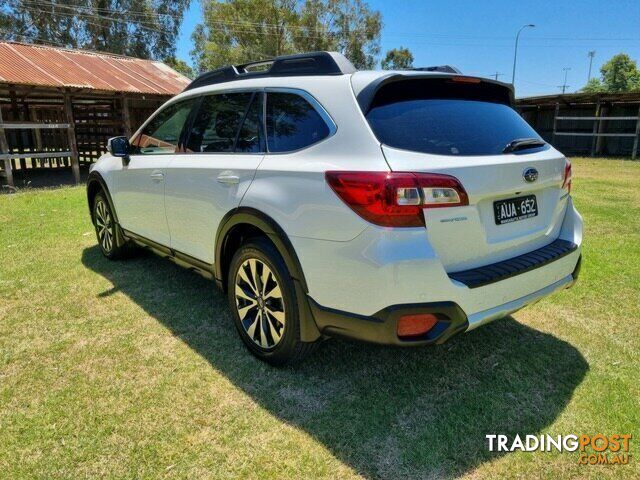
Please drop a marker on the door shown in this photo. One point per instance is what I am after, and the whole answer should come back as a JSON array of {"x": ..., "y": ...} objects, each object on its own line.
[
  {"x": 139, "y": 185},
  {"x": 224, "y": 148}
]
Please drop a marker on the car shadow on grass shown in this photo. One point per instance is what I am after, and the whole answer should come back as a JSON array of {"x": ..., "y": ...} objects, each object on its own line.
[{"x": 386, "y": 412}]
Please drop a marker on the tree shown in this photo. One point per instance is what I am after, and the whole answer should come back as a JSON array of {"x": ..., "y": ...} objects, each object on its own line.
[
  {"x": 620, "y": 74},
  {"x": 594, "y": 85},
  {"x": 397, "y": 59},
  {"x": 180, "y": 66},
  {"x": 356, "y": 30},
  {"x": 238, "y": 31},
  {"x": 139, "y": 28}
]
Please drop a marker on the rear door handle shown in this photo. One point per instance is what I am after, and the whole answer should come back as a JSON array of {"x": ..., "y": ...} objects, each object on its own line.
[
  {"x": 157, "y": 176},
  {"x": 228, "y": 179}
]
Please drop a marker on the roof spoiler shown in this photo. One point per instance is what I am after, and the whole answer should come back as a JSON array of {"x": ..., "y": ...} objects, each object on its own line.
[
  {"x": 366, "y": 95},
  {"x": 313, "y": 63}
]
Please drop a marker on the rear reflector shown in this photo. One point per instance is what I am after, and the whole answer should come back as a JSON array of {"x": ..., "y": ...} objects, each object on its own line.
[
  {"x": 396, "y": 199},
  {"x": 415, "y": 325}
]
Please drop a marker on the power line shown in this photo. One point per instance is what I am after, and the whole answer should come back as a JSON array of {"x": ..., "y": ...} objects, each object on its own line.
[
  {"x": 249, "y": 24},
  {"x": 43, "y": 41},
  {"x": 283, "y": 28}
]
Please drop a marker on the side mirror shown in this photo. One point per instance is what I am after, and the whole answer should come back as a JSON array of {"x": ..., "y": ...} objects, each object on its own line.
[{"x": 119, "y": 147}]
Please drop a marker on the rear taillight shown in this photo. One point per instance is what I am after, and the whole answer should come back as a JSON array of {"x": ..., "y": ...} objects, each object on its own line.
[
  {"x": 566, "y": 182},
  {"x": 396, "y": 199}
]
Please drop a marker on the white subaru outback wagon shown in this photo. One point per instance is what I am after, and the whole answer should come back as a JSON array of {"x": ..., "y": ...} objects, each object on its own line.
[{"x": 397, "y": 207}]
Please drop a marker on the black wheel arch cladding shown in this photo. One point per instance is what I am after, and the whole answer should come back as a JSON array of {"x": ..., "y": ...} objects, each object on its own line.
[{"x": 246, "y": 216}]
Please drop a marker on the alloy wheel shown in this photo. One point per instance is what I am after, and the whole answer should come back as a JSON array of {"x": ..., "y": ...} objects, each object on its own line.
[
  {"x": 259, "y": 303},
  {"x": 104, "y": 226}
]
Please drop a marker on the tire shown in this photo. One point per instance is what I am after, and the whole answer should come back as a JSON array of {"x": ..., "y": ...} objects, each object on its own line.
[
  {"x": 264, "y": 306},
  {"x": 109, "y": 239}
]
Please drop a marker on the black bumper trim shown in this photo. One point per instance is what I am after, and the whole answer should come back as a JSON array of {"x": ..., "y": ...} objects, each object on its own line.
[
  {"x": 481, "y": 276},
  {"x": 381, "y": 326}
]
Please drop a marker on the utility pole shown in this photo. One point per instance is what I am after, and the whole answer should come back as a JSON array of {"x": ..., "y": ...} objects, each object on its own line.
[
  {"x": 496, "y": 75},
  {"x": 591, "y": 54},
  {"x": 515, "y": 51},
  {"x": 564, "y": 84}
]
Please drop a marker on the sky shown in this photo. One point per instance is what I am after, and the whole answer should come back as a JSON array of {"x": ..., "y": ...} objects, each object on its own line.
[{"x": 477, "y": 36}]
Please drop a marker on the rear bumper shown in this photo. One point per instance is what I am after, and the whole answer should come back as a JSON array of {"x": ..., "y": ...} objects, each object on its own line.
[
  {"x": 381, "y": 326},
  {"x": 357, "y": 285},
  {"x": 496, "y": 272}
]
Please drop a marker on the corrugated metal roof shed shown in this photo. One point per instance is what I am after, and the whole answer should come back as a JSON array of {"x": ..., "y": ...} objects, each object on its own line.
[{"x": 47, "y": 66}]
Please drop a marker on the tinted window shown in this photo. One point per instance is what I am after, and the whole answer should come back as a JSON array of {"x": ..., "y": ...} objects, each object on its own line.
[
  {"x": 162, "y": 133},
  {"x": 292, "y": 123},
  {"x": 216, "y": 125},
  {"x": 444, "y": 119},
  {"x": 251, "y": 136}
]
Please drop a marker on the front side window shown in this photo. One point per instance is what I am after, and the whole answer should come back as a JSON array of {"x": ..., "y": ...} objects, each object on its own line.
[
  {"x": 216, "y": 125},
  {"x": 162, "y": 133},
  {"x": 293, "y": 123}
]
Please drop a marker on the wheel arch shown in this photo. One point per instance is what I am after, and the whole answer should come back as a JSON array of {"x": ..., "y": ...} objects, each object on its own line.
[
  {"x": 246, "y": 221},
  {"x": 95, "y": 184}
]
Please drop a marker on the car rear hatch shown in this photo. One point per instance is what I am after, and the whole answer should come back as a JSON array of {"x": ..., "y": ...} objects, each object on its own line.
[{"x": 464, "y": 127}]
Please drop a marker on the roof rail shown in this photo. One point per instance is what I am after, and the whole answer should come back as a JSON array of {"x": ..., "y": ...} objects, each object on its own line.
[
  {"x": 312, "y": 63},
  {"x": 439, "y": 68}
]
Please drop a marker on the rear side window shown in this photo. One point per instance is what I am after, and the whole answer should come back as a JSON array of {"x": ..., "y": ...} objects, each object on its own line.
[
  {"x": 445, "y": 118},
  {"x": 293, "y": 123},
  {"x": 162, "y": 133},
  {"x": 251, "y": 135},
  {"x": 217, "y": 122}
]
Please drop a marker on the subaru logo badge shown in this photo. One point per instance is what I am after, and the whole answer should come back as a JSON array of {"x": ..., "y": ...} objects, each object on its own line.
[{"x": 530, "y": 175}]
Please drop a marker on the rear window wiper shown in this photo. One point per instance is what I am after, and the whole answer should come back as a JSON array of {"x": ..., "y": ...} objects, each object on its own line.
[{"x": 523, "y": 144}]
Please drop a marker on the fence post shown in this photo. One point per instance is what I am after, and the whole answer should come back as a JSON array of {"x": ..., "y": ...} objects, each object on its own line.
[
  {"x": 634, "y": 153},
  {"x": 555, "y": 122},
  {"x": 126, "y": 117},
  {"x": 4, "y": 148},
  {"x": 71, "y": 134},
  {"x": 596, "y": 126},
  {"x": 602, "y": 140}
]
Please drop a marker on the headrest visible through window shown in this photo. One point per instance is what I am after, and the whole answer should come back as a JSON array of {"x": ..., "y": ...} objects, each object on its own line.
[{"x": 227, "y": 123}]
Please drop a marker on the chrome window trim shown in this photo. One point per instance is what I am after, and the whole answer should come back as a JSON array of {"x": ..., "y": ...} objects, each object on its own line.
[{"x": 317, "y": 106}]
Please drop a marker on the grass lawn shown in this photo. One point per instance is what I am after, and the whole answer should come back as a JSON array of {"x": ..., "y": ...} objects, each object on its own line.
[{"x": 133, "y": 369}]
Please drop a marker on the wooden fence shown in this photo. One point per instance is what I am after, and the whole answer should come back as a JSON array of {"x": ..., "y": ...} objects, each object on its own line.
[
  {"x": 62, "y": 130},
  {"x": 587, "y": 124}
]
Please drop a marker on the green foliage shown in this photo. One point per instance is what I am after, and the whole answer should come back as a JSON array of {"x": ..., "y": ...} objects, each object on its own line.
[
  {"x": 128, "y": 27},
  {"x": 398, "y": 59},
  {"x": 593, "y": 86},
  {"x": 180, "y": 66},
  {"x": 619, "y": 74},
  {"x": 238, "y": 31}
]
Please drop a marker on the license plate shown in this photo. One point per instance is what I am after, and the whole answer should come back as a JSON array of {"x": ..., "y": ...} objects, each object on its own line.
[{"x": 514, "y": 209}]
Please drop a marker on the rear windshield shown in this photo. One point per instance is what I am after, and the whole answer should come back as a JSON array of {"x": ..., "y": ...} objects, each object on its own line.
[{"x": 442, "y": 117}]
